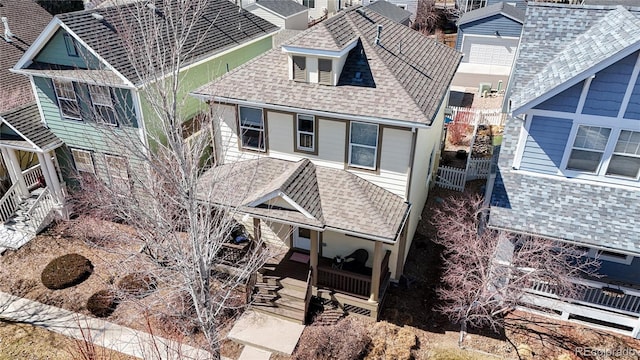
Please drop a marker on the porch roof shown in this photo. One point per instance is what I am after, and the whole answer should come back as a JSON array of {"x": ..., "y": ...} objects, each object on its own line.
[
  {"x": 313, "y": 196},
  {"x": 26, "y": 131}
]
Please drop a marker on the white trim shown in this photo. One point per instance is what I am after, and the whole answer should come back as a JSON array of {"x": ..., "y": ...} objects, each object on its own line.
[
  {"x": 110, "y": 105},
  {"x": 319, "y": 53},
  {"x": 375, "y": 148},
  {"x": 596, "y": 120},
  {"x": 583, "y": 94},
  {"x": 70, "y": 78},
  {"x": 577, "y": 78},
  {"x": 63, "y": 116},
  {"x": 630, "y": 87},
  {"x": 578, "y": 180},
  {"x": 137, "y": 107},
  {"x": 4, "y": 121},
  {"x": 312, "y": 133},
  {"x": 38, "y": 44},
  {"x": 295, "y": 205},
  {"x": 84, "y": 167},
  {"x": 367, "y": 119},
  {"x": 522, "y": 140},
  {"x": 598, "y": 254},
  {"x": 277, "y": 193},
  {"x": 43, "y": 120},
  {"x": 263, "y": 131}
]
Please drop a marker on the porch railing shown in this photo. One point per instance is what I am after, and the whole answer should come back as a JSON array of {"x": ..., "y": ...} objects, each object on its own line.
[
  {"x": 352, "y": 283},
  {"x": 309, "y": 293},
  {"x": 597, "y": 294},
  {"x": 32, "y": 176},
  {"x": 9, "y": 202},
  {"x": 40, "y": 209}
]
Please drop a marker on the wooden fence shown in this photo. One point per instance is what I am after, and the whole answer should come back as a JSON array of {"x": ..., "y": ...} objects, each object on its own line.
[
  {"x": 454, "y": 178},
  {"x": 473, "y": 116}
]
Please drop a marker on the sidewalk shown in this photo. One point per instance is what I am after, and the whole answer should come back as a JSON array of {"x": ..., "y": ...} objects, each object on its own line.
[{"x": 102, "y": 333}]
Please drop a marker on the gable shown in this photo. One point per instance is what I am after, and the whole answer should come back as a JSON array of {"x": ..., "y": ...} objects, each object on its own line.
[
  {"x": 607, "y": 89},
  {"x": 566, "y": 101},
  {"x": 504, "y": 26},
  {"x": 55, "y": 52}
]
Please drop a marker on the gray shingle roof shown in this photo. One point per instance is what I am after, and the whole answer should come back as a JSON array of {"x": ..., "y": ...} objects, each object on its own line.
[
  {"x": 559, "y": 42},
  {"x": 119, "y": 39},
  {"x": 491, "y": 10},
  {"x": 26, "y": 121},
  {"x": 410, "y": 72},
  {"x": 26, "y": 20},
  {"x": 336, "y": 198},
  {"x": 285, "y": 8},
  {"x": 599, "y": 215},
  {"x": 390, "y": 11}
]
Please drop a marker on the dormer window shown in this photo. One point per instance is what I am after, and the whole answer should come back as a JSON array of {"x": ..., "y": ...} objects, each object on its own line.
[
  {"x": 325, "y": 71},
  {"x": 299, "y": 68}
]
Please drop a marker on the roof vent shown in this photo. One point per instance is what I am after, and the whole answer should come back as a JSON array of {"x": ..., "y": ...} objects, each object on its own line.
[
  {"x": 378, "y": 34},
  {"x": 97, "y": 16},
  {"x": 357, "y": 77},
  {"x": 151, "y": 7},
  {"x": 7, "y": 33}
]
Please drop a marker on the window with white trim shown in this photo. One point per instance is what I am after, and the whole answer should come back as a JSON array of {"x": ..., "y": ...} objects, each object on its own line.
[
  {"x": 117, "y": 169},
  {"x": 83, "y": 160},
  {"x": 251, "y": 128},
  {"x": 309, "y": 3},
  {"x": 325, "y": 67},
  {"x": 70, "y": 44},
  {"x": 103, "y": 104},
  {"x": 610, "y": 256},
  {"x": 363, "y": 145},
  {"x": 305, "y": 132},
  {"x": 67, "y": 99},
  {"x": 299, "y": 68},
  {"x": 605, "y": 151}
]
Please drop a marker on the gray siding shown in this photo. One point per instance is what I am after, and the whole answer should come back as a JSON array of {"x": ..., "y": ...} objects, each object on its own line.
[
  {"x": 545, "y": 144},
  {"x": 55, "y": 52},
  {"x": 520, "y": 4},
  {"x": 608, "y": 87},
  {"x": 489, "y": 26},
  {"x": 566, "y": 101}
]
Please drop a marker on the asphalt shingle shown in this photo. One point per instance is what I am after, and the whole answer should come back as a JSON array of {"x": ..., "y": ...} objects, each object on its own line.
[
  {"x": 26, "y": 120},
  {"x": 285, "y": 8}
]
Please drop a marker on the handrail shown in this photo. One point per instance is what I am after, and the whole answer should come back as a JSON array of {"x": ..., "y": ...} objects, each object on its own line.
[
  {"x": 39, "y": 211},
  {"x": 31, "y": 176},
  {"x": 9, "y": 202},
  {"x": 307, "y": 295}
]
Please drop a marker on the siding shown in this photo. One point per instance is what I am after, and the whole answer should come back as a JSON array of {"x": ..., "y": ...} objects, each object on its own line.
[
  {"x": 297, "y": 22},
  {"x": 566, "y": 101},
  {"x": 335, "y": 243},
  {"x": 545, "y": 144},
  {"x": 273, "y": 233},
  {"x": 55, "y": 52},
  {"x": 633, "y": 108},
  {"x": 608, "y": 88},
  {"x": 489, "y": 26},
  {"x": 269, "y": 16},
  {"x": 332, "y": 147}
]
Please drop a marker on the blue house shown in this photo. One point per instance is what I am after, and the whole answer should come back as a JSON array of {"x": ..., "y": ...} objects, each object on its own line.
[
  {"x": 569, "y": 166},
  {"x": 488, "y": 37},
  {"x": 469, "y": 5}
]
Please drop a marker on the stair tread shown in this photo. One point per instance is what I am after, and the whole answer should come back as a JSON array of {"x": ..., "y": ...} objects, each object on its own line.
[
  {"x": 292, "y": 293},
  {"x": 287, "y": 313}
]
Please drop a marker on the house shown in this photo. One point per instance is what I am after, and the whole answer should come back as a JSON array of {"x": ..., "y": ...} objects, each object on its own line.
[
  {"x": 488, "y": 37},
  {"x": 286, "y": 14},
  {"x": 395, "y": 12},
  {"x": 391, "y": 9},
  {"x": 89, "y": 81},
  {"x": 330, "y": 147},
  {"x": 24, "y": 161},
  {"x": 569, "y": 165}
]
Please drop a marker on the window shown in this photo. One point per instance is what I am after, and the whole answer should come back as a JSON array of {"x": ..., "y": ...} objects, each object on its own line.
[
  {"x": 299, "y": 68},
  {"x": 70, "y": 44},
  {"x": 83, "y": 160},
  {"x": 305, "y": 132},
  {"x": 610, "y": 256},
  {"x": 324, "y": 71},
  {"x": 103, "y": 104},
  {"x": 588, "y": 148},
  {"x": 118, "y": 173},
  {"x": 309, "y": 3},
  {"x": 67, "y": 101},
  {"x": 625, "y": 160},
  {"x": 252, "y": 128},
  {"x": 363, "y": 145}
]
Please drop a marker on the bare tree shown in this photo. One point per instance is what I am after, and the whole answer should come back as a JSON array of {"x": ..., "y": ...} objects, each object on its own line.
[
  {"x": 428, "y": 17},
  {"x": 487, "y": 273}
]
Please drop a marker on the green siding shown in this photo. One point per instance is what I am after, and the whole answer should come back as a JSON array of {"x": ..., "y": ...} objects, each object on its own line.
[
  {"x": 202, "y": 74},
  {"x": 55, "y": 52}
]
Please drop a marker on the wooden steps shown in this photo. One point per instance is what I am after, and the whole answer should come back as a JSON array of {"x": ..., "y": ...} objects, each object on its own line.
[{"x": 281, "y": 297}]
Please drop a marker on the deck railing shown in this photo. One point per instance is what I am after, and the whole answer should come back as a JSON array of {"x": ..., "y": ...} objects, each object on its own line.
[
  {"x": 40, "y": 209},
  {"x": 9, "y": 202},
  {"x": 32, "y": 175},
  {"x": 309, "y": 293},
  {"x": 349, "y": 282}
]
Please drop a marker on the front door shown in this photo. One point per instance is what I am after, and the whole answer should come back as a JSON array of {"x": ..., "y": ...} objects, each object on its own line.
[{"x": 302, "y": 238}]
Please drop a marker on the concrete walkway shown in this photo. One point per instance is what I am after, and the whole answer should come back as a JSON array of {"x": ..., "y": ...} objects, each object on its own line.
[
  {"x": 102, "y": 333},
  {"x": 265, "y": 332}
]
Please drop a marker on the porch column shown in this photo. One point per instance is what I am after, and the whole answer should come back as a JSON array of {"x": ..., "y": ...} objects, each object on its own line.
[
  {"x": 313, "y": 251},
  {"x": 402, "y": 248},
  {"x": 376, "y": 272},
  {"x": 14, "y": 169},
  {"x": 47, "y": 170},
  {"x": 257, "y": 232}
]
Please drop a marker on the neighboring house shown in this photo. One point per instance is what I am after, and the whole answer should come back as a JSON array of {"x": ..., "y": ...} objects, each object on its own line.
[
  {"x": 488, "y": 37},
  {"x": 469, "y": 5},
  {"x": 91, "y": 96},
  {"x": 286, "y": 14},
  {"x": 331, "y": 146},
  {"x": 392, "y": 11},
  {"x": 569, "y": 165},
  {"x": 406, "y": 16},
  {"x": 18, "y": 107}
]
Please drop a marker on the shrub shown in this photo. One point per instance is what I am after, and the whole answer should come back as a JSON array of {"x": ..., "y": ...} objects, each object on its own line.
[
  {"x": 391, "y": 342},
  {"x": 346, "y": 340},
  {"x": 66, "y": 271},
  {"x": 457, "y": 133},
  {"x": 138, "y": 285},
  {"x": 102, "y": 303}
]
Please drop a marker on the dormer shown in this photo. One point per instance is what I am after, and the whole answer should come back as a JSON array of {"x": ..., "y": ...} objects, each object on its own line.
[{"x": 317, "y": 65}]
